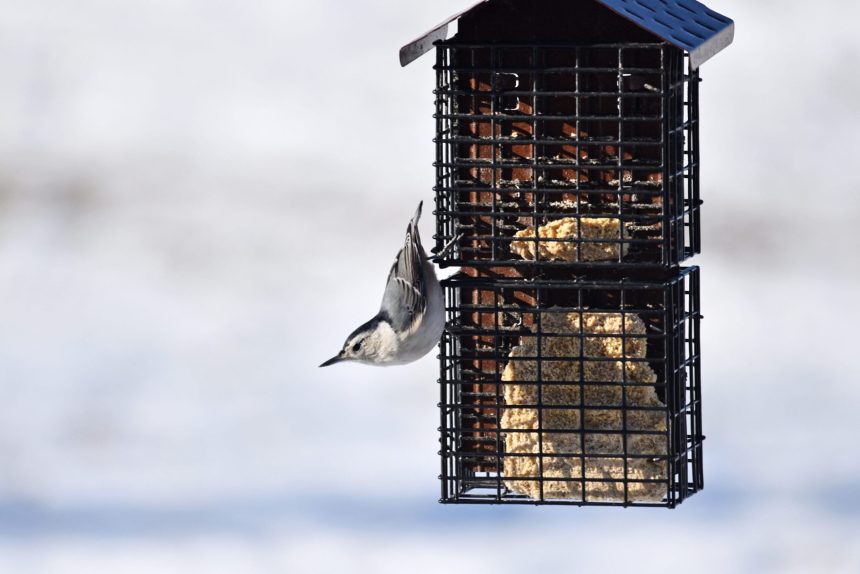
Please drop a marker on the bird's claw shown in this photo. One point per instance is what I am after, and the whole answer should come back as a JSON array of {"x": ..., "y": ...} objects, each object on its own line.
[{"x": 441, "y": 253}]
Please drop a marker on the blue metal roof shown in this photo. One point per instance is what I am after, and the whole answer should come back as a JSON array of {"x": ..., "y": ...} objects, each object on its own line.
[{"x": 687, "y": 24}]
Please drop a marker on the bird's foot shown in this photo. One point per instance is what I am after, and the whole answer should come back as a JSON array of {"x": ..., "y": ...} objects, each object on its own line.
[{"x": 437, "y": 256}]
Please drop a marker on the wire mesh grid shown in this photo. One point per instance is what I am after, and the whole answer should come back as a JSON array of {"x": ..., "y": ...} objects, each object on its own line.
[
  {"x": 566, "y": 155},
  {"x": 562, "y": 392}
]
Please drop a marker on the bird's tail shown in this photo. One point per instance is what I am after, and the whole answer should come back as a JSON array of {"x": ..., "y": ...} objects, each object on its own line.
[
  {"x": 417, "y": 216},
  {"x": 412, "y": 228},
  {"x": 412, "y": 236}
]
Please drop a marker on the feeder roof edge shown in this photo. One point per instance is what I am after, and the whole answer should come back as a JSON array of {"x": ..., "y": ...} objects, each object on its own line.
[{"x": 686, "y": 24}]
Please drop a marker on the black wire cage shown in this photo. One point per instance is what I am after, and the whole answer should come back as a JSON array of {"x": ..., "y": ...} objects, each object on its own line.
[
  {"x": 559, "y": 155},
  {"x": 571, "y": 392},
  {"x": 567, "y": 187}
]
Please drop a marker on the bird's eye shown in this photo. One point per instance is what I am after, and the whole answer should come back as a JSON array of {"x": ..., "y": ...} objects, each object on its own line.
[{"x": 356, "y": 347}]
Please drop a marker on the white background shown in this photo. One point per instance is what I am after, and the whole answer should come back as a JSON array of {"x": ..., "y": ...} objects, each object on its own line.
[{"x": 200, "y": 199}]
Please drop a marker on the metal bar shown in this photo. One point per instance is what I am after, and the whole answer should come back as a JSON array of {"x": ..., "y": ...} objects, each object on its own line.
[
  {"x": 549, "y": 118},
  {"x": 551, "y": 141},
  {"x": 454, "y": 44},
  {"x": 550, "y": 93},
  {"x": 555, "y": 70}
]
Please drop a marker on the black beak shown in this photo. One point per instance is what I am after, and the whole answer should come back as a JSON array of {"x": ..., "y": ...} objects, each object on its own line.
[{"x": 336, "y": 359}]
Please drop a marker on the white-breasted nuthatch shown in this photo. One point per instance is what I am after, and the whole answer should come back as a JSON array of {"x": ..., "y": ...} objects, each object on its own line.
[{"x": 411, "y": 317}]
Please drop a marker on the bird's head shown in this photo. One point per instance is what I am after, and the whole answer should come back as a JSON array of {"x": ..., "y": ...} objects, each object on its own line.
[{"x": 373, "y": 343}]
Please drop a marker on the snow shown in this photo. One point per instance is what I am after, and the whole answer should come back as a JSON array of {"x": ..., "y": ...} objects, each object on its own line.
[{"x": 194, "y": 212}]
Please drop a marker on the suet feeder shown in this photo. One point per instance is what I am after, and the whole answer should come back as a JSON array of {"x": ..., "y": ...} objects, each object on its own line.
[{"x": 567, "y": 169}]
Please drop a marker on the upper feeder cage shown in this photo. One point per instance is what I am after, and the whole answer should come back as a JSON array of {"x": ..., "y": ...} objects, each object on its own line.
[{"x": 567, "y": 178}]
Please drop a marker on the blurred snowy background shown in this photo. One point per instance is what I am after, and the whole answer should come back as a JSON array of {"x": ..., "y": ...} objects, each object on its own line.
[{"x": 185, "y": 187}]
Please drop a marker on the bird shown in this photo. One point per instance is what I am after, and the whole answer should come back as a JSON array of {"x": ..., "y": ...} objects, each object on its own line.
[{"x": 411, "y": 318}]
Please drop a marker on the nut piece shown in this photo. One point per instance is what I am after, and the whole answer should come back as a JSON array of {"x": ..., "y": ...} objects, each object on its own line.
[
  {"x": 560, "y": 240},
  {"x": 580, "y": 363}
]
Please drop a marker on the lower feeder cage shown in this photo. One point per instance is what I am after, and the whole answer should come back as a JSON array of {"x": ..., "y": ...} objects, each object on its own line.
[{"x": 582, "y": 392}]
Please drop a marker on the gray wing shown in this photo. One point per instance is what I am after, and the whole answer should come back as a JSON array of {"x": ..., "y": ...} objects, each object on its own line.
[{"x": 405, "y": 295}]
